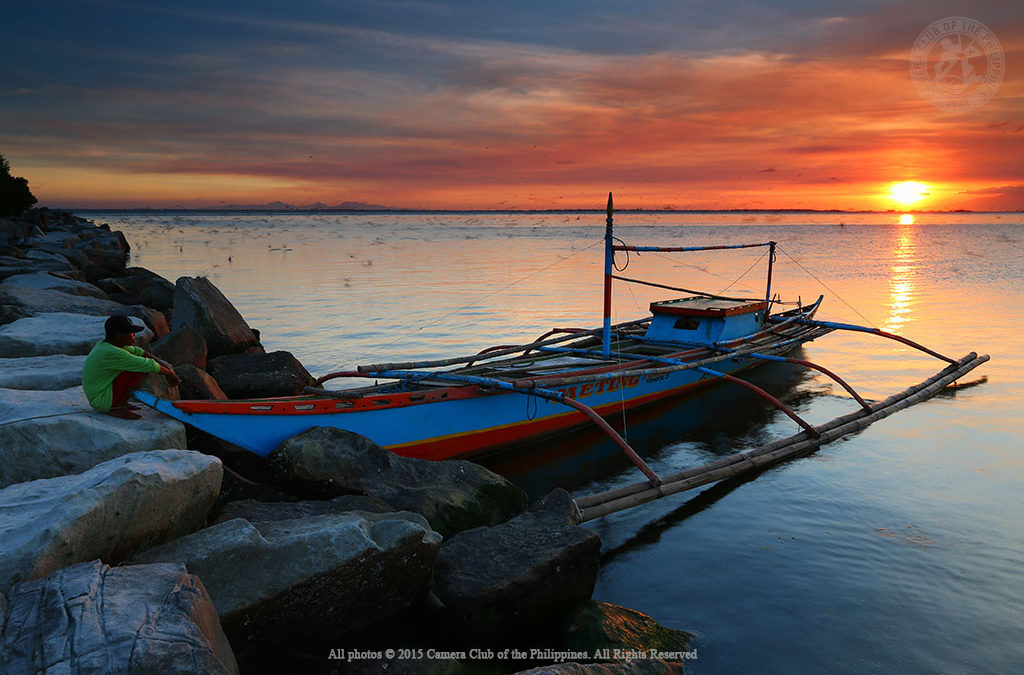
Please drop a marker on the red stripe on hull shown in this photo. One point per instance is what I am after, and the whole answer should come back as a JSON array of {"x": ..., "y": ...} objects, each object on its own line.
[{"x": 476, "y": 442}]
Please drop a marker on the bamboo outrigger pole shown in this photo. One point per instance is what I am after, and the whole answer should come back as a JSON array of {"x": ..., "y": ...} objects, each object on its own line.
[{"x": 602, "y": 504}]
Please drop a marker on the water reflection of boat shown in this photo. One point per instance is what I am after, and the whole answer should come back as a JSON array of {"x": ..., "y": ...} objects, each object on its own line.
[
  {"x": 569, "y": 377},
  {"x": 692, "y": 425}
]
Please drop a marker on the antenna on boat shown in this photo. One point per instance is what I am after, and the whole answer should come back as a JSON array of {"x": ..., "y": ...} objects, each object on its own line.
[{"x": 609, "y": 260}]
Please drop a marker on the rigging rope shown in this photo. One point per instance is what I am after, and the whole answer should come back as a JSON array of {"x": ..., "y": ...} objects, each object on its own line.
[
  {"x": 839, "y": 297},
  {"x": 367, "y": 355},
  {"x": 736, "y": 281}
]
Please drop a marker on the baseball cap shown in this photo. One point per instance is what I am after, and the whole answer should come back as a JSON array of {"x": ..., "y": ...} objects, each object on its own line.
[{"x": 119, "y": 323}]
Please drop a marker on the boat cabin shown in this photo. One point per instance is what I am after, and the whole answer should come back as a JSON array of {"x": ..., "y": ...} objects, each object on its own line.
[{"x": 705, "y": 320}]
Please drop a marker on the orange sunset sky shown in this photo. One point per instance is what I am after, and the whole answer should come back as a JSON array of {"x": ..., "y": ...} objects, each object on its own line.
[{"x": 472, "y": 105}]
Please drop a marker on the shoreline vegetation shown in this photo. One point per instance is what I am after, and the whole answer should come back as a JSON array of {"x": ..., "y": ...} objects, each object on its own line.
[{"x": 163, "y": 549}]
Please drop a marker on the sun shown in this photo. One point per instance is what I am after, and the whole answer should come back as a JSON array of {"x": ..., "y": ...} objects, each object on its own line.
[{"x": 908, "y": 192}]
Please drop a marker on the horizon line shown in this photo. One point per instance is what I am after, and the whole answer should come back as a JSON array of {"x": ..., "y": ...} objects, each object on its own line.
[{"x": 212, "y": 209}]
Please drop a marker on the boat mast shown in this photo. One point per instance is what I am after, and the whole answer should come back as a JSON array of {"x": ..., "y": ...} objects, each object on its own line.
[
  {"x": 609, "y": 259},
  {"x": 768, "y": 288}
]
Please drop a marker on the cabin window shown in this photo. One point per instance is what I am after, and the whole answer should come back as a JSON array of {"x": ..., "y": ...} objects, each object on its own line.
[{"x": 687, "y": 323}]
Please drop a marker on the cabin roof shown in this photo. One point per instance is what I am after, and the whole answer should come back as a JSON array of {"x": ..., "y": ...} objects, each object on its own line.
[{"x": 704, "y": 306}]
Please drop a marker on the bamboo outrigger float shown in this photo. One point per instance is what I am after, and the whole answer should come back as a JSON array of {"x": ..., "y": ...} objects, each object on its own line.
[{"x": 569, "y": 377}]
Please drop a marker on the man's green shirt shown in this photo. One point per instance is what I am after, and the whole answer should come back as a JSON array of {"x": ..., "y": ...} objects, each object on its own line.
[{"x": 104, "y": 363}]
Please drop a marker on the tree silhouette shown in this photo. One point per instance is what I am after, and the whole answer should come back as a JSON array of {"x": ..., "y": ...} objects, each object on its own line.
[{"x": 15, "y": 196}]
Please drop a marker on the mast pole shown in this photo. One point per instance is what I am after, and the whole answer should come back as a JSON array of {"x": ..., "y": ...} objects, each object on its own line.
[
  {"x": 609, "y": 258},
  {"x": 768, "y": 288}
]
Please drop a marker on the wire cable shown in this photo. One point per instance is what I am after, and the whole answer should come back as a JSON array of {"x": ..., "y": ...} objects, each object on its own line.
[{"x": 838, "y": 297}]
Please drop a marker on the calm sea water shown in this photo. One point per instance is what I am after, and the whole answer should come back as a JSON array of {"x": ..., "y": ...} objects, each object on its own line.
[{"x": 898, "y": 549}]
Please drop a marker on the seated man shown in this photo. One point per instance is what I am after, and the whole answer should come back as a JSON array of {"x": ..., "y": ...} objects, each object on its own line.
[{"x": 116, "y": 367}]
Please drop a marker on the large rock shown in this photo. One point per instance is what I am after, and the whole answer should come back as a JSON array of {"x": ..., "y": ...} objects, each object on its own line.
[
  {"x": 34, "y": 301},
  {"x": 182, "y": 345},
  {"x": 111, "y": 511},
  {"x": 107, "y": 256},
  {"x": 12, "y": 267},
  {"x": 53, "y": 282},
  {"x": 520, "y": 574},
  {"x": 153, "y": 318},
  {"x": 91, "y": 618},
  {"x": 15, "y": 230},
  {"x": 277, "y": 582},
  {"x": 261, "y": 512},
  {"x": 197, "y": 384},
  {"x": 55, "y": 433},
  {"x": 453, "y": 495},
  {"x": 47, "y": 373},
  {"x": 260, "y": 375},
  {"x": 54, "y": 333},
  {"x": 141, "y": 286},
  {"x": 200, "y": 304}
]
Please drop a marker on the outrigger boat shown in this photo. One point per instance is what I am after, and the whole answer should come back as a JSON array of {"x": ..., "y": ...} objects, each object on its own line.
[{"x": 569, "y": 377}]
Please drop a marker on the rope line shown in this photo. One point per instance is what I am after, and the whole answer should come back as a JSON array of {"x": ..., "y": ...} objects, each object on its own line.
[
  {"x": 43, "y": 417},
  {"x": 475, "y": 303},
  {"x": 826, "y": 286},
  {"x": 745, "y": 273}
]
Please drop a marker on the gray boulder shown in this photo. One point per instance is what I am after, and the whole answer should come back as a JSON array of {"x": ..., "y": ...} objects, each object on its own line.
[
  {"x": 52, "y": 282},
  {"x": 261, "y": 512},
  {"x": 55, "y": 433},
  {"x": 34, "y": 301},
  {"x": 47, "y": 258},
  {"x": 54, "y": 333},
  {"x": 454, "y": 495},
  {"x": 521, "y": 573},
  {"x": 47, "y": 373},
  {"x": 111, "y": 511},
  {"x": 200, "y": 304},
  {"x": 197, "y": 384},
  {"x": 276, "y": 582},
  {"x": 107, "y": 256},
  {"x": 182, "y": 345},
  {"x": 260, "y": 375},
  {"x": 91, "y": 618},
  {"x": 15, "y": 230},
  {"x": 141, "y": 286},
  {"x": 11, "y": 267}
]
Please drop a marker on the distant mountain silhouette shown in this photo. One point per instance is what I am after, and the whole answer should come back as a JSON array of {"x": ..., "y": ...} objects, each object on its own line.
[{"x": 318, "y": 206}]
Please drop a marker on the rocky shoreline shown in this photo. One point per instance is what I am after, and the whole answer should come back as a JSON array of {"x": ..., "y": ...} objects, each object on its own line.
[{"x": 139, "y": 545}]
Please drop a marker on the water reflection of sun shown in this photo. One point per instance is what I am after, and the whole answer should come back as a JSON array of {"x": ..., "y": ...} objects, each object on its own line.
[{"x": 901, "y": 281}]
